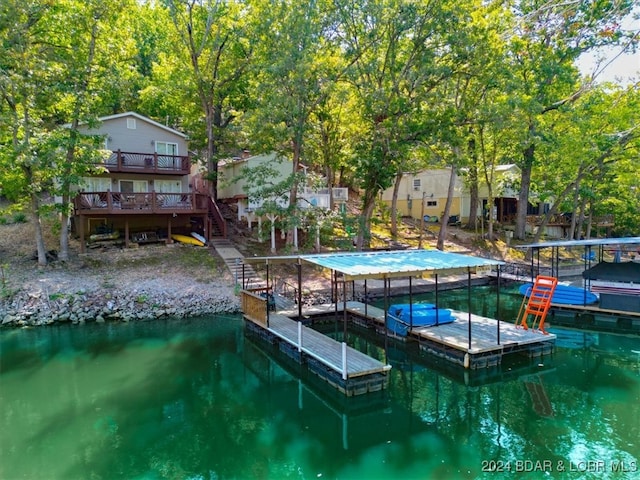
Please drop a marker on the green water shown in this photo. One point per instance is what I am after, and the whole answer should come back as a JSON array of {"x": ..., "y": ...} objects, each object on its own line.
[{"x": 198, "y": 399}]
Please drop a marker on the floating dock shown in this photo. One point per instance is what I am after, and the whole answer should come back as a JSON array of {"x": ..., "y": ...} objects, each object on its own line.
[
  {"x": 450, "y": 340},
  {"x": 345, "y": 368},
  {"x": 470, "y": 341}
]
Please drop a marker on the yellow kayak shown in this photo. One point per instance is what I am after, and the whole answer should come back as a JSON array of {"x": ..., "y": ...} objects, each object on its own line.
[{"x": 187, "y": 239}]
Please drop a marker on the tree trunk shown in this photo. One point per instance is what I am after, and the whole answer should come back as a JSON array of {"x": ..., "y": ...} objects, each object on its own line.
[
  {"x": 574, "y": 216},
  {"x": 63, "y": 255},
  {"x": 580, "y": 220},
  {"x": 362, "y": 239},
  {"x": 523, "y": 198},
  {"x": 442, "y": 235},
  {"x": 472, "y": 222},
  {"x": 37, "y": 225},
  {"x": 212, "y": 164},
  {"x": 293, "y": 197},
  {"x": 394, "y": 207},
  {"x": 587, "y": 234}
]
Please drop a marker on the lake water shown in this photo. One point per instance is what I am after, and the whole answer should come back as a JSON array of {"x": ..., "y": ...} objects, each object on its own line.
[{"x": 198, "y": 399}]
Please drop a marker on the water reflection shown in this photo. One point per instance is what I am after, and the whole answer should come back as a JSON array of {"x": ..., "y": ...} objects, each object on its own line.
[{"x": 200, "y": 399}]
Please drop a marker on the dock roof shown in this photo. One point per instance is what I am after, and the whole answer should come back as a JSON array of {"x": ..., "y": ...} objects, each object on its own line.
[
  {"x": 586, "y": 243},
  {"x": 387, "y": 264}
]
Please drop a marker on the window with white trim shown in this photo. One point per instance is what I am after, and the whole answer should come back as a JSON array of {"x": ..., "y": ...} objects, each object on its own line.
[
  {"x": 95, "y": 184},
  {"x": 131, "y": 123},
  {"x": 167, "y": 186},
  {"x": 166, "y": 148},
  {"x": 417, "y": 184},
  {"x": 134, "y": 186}
]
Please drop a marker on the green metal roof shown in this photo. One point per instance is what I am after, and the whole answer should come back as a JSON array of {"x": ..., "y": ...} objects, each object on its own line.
[
  {"x": 586, "y": 243},
  {"x": 399, "y": 263}
]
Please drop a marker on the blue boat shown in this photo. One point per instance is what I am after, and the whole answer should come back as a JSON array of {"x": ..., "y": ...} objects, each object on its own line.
[
  {"x": 565, "y": 295},
  {"x": 420, "y": 317}
]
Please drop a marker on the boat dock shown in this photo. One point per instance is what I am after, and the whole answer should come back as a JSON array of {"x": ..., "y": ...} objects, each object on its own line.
[
  {"x": 477, "y": 348},
  {"x": 471, "y": 341},
  {"x": 347, "y": 369}
]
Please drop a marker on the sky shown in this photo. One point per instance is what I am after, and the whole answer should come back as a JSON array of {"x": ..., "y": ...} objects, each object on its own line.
[{"x": 623, "y": 68}]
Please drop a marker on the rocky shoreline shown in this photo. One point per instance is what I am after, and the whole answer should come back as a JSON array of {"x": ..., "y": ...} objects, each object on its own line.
[
  {"x": 36, "y": 307},
  {"x": 116, "y": 286}
]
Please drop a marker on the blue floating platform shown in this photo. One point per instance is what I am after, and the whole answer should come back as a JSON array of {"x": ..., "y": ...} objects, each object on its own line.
[
  {"x": 565, "y": 295},
  {"x": 425, "y": 317}
]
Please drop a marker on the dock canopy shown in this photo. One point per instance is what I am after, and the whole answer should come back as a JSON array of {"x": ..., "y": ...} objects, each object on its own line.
[
  {"x": 590, "y": 242},
  {"x": 398, "y": 263}
]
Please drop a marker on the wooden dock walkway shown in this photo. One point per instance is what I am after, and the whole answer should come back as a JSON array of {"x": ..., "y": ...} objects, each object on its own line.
[
  {"x": 347, "y": 361},
  {"x": 345, "y": 368},
  {"x": 451, "y": 341}
]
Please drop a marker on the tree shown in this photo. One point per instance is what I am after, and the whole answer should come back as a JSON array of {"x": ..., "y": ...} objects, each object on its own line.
[
  {"x": 545, "y": 42},
  {"x": 214, "y": 44},
  {"x": 394, "y": 48},
  {"x": 592, "y": 147},
  {"x": 297, "y": 68},
  {"x": 87, "y": 59},
  {"x": 53, "y": 74}
]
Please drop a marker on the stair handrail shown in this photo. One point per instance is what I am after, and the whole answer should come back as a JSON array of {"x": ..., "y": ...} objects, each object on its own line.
[{"x": 214, "y": 211}]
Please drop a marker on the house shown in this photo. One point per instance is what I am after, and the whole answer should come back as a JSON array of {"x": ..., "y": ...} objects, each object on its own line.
[
  {"x": 142, "y": 191},
  {"x": 235, "y": 188},
  {"x": 424, "y": 193}
]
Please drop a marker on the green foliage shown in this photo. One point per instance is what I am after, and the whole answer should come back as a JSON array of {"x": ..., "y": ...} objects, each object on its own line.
[
  {"x": 358, "y": 92},
  {"x": 19, "y": 217}
]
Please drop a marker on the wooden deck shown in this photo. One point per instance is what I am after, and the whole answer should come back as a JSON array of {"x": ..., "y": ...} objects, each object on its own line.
[{"x": 451, "y": 341}]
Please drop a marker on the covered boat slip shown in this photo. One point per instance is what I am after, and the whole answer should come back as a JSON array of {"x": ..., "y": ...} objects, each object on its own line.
[
  {"x": 469, "y": 340},
  {"x": 611, "y": 270},
  {"x": 594, "y": 250}
]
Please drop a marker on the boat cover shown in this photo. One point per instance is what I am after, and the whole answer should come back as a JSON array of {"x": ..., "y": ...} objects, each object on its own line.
[{"x": 614, "y": 272}]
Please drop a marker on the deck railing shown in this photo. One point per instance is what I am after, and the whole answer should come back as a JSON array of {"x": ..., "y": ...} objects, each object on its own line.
[
  {"x": 140, "y": 203},
  {"x": 138, "y": 162},
  {"x": 254, "y": 307}
]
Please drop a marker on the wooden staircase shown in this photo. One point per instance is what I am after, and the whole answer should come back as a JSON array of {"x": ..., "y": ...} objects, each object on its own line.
[{"x": 217, "y": 223}]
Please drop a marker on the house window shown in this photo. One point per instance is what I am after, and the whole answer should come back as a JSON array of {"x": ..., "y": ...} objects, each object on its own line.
[
  {"x": 432, "y": 203},
  {"x": 95, "y": 184},
  {"x": 167, "y": 155},
  {"x": 166, "y": 148},
  {"x": 167, "y": 186},
  {"x": 134, "y": 186},
  {"x": 417, "y": 184},
  {"x": 131, "y": 123}
]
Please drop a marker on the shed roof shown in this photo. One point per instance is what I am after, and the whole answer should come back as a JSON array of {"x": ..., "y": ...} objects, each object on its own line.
[
  {"x": 586, "y": 243},
  {"x": 400, "y": 263}
]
